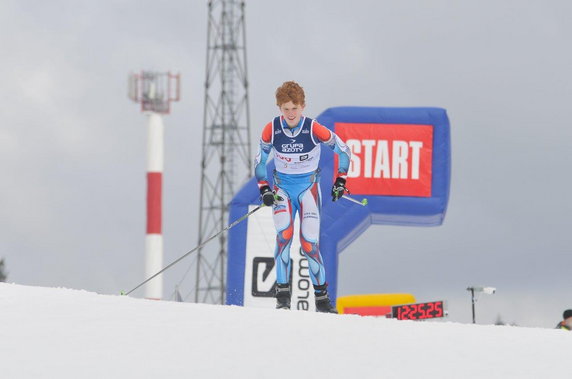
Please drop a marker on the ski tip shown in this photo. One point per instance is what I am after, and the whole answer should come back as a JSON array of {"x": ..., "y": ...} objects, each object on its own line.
[
  {"x": 364, "y": 201},
  {"x": 122, "y": 293}
]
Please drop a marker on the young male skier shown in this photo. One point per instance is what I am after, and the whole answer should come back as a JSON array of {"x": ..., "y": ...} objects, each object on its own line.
[{"x": 296, "y": 142}]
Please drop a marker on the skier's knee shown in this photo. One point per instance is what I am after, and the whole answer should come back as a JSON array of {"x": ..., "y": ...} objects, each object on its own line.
[{"x": 286, "y": 234}]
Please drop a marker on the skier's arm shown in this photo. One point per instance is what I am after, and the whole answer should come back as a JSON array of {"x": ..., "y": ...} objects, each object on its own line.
[
  {"x": 264, "y": 148},
  {"x": 325, "y": 135}
]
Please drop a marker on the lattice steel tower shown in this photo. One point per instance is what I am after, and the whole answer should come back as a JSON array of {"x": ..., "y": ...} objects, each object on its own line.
[{"x": 226, "y": 161}]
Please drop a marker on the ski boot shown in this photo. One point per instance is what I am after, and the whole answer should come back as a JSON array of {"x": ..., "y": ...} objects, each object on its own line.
[
  {"x": 283, "y": 295},
  {"x": 323, "y": 300}
]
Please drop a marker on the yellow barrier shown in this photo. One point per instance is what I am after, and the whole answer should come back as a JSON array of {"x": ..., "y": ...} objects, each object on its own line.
[{"x": 373, "y": 304}]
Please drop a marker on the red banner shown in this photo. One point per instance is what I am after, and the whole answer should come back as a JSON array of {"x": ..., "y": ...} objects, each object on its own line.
[{"x": 388, "y": 159}]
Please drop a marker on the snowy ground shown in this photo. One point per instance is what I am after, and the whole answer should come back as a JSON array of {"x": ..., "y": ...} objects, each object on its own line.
[{"x": 62, "y": 333}]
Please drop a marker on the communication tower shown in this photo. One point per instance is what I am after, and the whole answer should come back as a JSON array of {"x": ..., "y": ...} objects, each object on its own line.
[
  {"x": 154, "y": 91},
  {"x": 226, "y": 158}
]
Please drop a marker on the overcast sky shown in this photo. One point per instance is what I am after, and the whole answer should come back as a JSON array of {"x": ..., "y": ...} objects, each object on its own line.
[{"x": 73, "y": 147}]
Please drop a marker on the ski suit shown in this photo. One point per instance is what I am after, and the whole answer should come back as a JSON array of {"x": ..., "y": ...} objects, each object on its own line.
[
  {"x": 562, "y": 325},
  {"x": 296, "y": 184}
]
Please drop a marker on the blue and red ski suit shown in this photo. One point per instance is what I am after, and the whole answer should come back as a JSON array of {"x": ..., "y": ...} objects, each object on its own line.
[{"x": 296, "y": 184}]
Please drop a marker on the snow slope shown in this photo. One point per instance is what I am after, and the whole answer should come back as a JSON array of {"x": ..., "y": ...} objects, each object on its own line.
[{"x": 62, "y": 333}]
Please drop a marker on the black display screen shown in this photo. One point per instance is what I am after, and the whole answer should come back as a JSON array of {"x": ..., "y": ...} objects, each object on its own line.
[{"x": 420, "y": 311}]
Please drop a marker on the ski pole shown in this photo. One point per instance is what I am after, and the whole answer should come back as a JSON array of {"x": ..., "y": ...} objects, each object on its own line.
[
  {"x": 363, "y": 202},
  {"x": 196, "y": 248}
]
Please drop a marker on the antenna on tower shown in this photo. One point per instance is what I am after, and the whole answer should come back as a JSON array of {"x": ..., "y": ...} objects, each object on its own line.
[
  {"x": 154, "y": 91},
  {"x": 226, "y": 158}
]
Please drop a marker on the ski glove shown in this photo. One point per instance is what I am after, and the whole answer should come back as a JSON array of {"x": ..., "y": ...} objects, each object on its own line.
[
  {"x": 339, "y": 188},
  {"x": 267, "y": 195}
]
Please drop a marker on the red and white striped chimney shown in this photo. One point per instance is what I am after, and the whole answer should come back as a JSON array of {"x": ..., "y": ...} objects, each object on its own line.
[
  {"x": 154, "y": 238},
  {"x": 154, "y": 91}
]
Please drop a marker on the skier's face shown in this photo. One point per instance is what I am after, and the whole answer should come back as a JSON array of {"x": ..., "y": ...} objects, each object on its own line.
[{"x": 292, "y": 113}]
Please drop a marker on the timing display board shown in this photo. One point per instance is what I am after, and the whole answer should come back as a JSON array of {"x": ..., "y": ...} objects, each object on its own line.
[{"x": 419, "y": 311}]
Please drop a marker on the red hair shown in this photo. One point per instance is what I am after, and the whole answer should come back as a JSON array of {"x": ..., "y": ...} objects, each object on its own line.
[{"x": 290, "y": 91}]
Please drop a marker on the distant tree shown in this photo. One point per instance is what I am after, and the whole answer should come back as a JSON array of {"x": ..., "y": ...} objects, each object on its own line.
[
  {"x": 500, "y": 321},
  {"x": 3, "y": 274}
]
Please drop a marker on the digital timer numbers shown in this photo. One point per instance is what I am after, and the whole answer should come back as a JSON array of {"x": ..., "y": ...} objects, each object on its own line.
[{"x": 420, "y": 311}]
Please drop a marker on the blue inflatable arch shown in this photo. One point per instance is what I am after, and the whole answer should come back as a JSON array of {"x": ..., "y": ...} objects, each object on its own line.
[{"x": 382, "y": 140}]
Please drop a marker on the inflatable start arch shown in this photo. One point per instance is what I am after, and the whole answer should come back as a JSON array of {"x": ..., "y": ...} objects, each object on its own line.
[{"x": 401, "y": 162}]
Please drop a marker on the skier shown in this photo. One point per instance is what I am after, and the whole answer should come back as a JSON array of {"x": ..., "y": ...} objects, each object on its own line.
[
  {"x": 296, "y": 142},
  {"x": 566, "y": 323}
]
